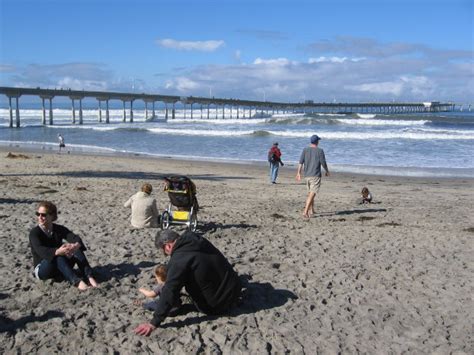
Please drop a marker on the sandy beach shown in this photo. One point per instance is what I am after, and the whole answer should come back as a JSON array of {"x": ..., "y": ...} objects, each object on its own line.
[{"x": 392, "y": 277}]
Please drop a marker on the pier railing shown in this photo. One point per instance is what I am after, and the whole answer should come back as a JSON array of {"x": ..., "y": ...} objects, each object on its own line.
[{"x": 246, "y": 106}]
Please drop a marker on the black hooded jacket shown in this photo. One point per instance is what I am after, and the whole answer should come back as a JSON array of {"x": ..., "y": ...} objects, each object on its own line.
[
  {"x": 205, "y": 273},
  {"x": 44, "y": 247}
]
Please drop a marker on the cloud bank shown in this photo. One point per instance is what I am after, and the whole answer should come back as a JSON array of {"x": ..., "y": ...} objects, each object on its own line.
[{"x": 343, "y": 69}]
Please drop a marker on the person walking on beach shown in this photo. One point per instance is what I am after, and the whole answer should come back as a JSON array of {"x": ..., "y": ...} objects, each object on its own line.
[
  {"x": 61, "y": 142},
  {"x": 56, "y": 249},
  {"x": 311, "y": 159},
  {"x": 144, "y": 210},
  {"x": 204, "y": 272},
  {"x": 274, "y": 158}
]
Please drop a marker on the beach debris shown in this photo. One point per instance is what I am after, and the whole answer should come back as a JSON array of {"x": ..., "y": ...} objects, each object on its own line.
[
  {"x": 80, "y": 188},
  {"x": 394, "y": 224},
  {"x": 278, "y": 216},
  {"x": 11, "y": 155},
  {"x": 470, "y": 229},
  {"x": 337, "y": 220},
  {"x": 41, "y": 187},
  {"x": 51, "y": 191},
  {"x": 365, "y": 218}
]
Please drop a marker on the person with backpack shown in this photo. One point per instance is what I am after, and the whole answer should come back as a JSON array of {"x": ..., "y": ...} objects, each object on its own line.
[{"x": 274, "y": 158}]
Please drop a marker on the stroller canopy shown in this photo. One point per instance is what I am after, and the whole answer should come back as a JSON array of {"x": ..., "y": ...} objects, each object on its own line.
[{"x": 181, "y": 191}]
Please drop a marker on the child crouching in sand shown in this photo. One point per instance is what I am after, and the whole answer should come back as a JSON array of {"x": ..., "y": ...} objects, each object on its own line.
[{"x": 160, "y": 276}]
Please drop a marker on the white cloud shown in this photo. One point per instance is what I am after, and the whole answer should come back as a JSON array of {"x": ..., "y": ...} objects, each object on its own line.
[
  {"x": 417, "y": 86},
  {"x": 182, "y": 85},
  {"x": 87, "y": 76},
  {"x": 7, "y": 68},
  {"x": 348, "y": 76},
  {"x": 204, "y": 46},
  {"x": 272, "y": 62},
  {"x": 77, "y": 84},
  {"x": 388, "y": 87},
  {"x": 333, "y": 59},
  {"x": 237, "y": 55}
]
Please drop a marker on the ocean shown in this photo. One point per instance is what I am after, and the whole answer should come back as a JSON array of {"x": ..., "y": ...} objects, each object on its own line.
[{"x": 425, "y": 144}]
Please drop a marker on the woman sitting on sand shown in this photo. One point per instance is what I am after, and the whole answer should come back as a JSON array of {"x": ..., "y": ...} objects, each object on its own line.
[
  {"x": 144, "y": 210},
  {"x": 56, "y": 249}
]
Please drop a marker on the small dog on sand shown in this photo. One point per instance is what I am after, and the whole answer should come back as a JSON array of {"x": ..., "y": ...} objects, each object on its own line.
[{"x": 366, "y": 196}]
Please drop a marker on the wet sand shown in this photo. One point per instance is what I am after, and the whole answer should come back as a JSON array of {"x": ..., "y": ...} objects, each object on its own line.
[{"x": 390, "y": 277}]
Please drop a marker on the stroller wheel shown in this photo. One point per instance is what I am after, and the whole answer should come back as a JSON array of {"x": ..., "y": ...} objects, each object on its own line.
[
  {"x": 193, "y": 222},
  {"x": 165, "y": 220}
]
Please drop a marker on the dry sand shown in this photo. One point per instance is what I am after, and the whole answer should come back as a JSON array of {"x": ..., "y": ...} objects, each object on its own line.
[{"x": 391, "y": 277}]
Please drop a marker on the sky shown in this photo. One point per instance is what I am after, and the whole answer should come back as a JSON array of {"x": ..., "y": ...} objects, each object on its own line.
[{"x": 273, "y": 50}]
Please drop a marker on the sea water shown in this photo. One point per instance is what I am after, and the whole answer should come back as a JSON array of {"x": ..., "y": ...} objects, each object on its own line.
[{"x": 425, "y": 144}]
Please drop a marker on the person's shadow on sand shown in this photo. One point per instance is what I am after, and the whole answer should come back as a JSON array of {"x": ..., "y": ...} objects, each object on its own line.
[
  {"x": 119, "y": 271},
  {"x": 12, "y": 326},
  {"x": 256, "y": 296},
  {"x": 349, "y": 212}
]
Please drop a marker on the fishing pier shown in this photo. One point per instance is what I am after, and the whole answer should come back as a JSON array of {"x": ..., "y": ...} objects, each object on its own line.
[{"x": 217, "y": 106}]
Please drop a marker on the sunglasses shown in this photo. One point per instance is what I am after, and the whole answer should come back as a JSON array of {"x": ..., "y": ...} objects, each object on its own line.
[{"x": 41, "y": 214}]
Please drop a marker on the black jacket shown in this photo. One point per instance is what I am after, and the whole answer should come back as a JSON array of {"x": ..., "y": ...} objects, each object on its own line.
[
  {"x": 205, "y": 273},
  {"x": 44, "y": 247}
]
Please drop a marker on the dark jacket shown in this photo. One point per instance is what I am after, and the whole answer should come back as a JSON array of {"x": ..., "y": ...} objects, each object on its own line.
[
  {"x": 44, "y": 247},
  {"x": 205, "y": 273}
]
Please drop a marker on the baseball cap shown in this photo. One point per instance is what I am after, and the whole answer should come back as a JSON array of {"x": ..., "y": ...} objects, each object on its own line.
[
  {"x": 166, "y": 236},
  {"x": 314, "y": 139}
]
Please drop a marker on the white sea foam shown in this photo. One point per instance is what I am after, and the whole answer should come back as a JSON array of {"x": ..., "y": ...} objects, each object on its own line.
[
  {"x": 50, "y": 145},
  {"x": 366, "y": 115},
  {"x": 467, "y": 135},
  {"x": 377, "y": 122},
  {"x": 414, "y": 135},
  {"x": 225, "y": 121},
  {"x": 200, "y": 132},
  {"x": 439, "y": 131},
  {"x": 404, "y": 171},
  {"x": 331, "y": 114}
]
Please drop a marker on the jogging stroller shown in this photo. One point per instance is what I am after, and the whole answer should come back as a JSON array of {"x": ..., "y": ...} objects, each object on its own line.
[{"x": 182, "y": 194}]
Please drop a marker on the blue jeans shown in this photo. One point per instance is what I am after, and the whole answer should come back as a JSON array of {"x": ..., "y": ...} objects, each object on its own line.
[
  {"x": 64, "y": 266},
  {"x": 274, "y": 171}
]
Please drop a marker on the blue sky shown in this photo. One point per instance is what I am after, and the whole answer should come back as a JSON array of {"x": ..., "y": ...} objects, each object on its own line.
[{"x": 275, "y": 50}]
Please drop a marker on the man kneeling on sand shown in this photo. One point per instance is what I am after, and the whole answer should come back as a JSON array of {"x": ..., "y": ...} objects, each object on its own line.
[{"x": 204, "y": 272}]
